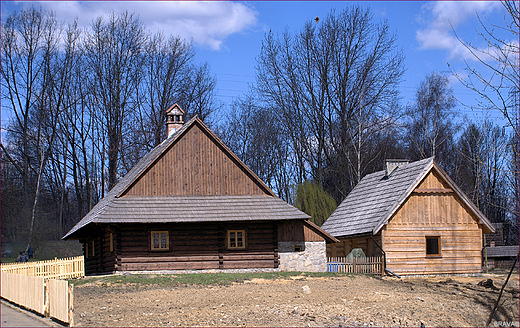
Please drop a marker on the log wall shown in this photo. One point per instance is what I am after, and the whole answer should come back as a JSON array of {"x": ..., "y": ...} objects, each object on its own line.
[
  {"x": 433, "y": 210},
  {"x": 196, "y": 165},
  {"x": 192, "y": 246}
]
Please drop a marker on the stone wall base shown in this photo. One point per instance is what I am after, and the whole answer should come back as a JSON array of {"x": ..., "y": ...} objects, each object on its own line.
[{"x": 310, "y": 256}]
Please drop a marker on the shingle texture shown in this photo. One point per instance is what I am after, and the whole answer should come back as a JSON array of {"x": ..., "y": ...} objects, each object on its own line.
[
  {"x": 148, "y": 209},
  {"x": 374, "y": 199},
  {"x": 502, "y": 251}
]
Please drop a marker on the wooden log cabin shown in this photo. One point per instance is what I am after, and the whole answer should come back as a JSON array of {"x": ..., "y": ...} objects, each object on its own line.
[
  {"x": 191, "y": 204},
  {"x": 415, "y": 216}
]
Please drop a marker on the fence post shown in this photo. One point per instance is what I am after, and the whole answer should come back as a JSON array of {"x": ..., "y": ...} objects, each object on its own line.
[
  {"x": 46, "y": 311},
  {"x": 71, "y": 305}
]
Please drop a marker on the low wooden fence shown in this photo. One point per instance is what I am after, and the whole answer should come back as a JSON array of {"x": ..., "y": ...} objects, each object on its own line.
[
  {"x": 37, "y": 286},
  {"x": 49, "y": 297},
  {"x": 67, "y": 268},
  {"x": 369, "y": 265}
]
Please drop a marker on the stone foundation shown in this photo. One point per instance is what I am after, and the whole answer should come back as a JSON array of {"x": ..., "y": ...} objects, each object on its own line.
[{"x": 308, "y": 256}]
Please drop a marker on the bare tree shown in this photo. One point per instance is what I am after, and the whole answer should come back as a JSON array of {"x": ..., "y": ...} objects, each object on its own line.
[
  {"x": 256, "y": 136},
  {"x": 330, "y": 83},
  {"x": 430, "y": 125},
  {"x": 495, "y": 78},
  {"x": 496, "y": 81},
  {"x": 198, "y": 94},
  {"x": 114, "y": 54},
  {"x": 166, "y": 68},
  {"x": 34, "y": 78}
]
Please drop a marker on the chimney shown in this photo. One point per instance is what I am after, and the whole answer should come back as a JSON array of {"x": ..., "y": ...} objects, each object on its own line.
[
  {"x": 174, "y": 119},
  {"x": 392, "y": 164}
]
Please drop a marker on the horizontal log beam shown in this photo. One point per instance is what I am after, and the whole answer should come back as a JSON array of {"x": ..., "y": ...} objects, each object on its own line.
[{"x": 433, "y": 191}]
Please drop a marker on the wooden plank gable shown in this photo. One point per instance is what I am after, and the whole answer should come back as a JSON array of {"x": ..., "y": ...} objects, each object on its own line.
[
  {"x": 433, "y": 209},
  {"x": 197, "y": 164}
]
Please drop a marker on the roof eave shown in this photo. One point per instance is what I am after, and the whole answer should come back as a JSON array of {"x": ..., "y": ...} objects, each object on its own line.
[{"x": 328, "y": 237}]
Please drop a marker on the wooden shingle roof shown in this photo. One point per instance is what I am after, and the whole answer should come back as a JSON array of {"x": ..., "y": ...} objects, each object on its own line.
[
  {"x": 502, "y": 251},
  {"x": 116, "y": 207},
  {"x": 376, "y": 198}
]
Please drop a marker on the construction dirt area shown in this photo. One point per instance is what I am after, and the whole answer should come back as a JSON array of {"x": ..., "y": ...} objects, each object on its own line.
[{"x": 300, "y": 301}]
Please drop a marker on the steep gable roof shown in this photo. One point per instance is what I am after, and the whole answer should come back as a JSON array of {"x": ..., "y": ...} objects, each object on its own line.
[
  {"x": 376, "y": 198},
  {"x": 117, "y": 207}
]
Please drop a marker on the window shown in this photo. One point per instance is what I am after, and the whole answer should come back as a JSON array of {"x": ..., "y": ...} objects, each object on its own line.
[
  {"x": 433, "y": 246},
  {"x": 160, "y": 241},
  {"x": 93, "y": 249},
  {"x": 111, "y": 242},
  {"x": 236, "y": 239},
  {"x": 86, "y": 250}
]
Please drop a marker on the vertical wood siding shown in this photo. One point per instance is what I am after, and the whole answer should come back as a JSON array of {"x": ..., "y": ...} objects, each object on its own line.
[
  {"x": 196, "y": 165},
  {"x": 433, "y": 214}
]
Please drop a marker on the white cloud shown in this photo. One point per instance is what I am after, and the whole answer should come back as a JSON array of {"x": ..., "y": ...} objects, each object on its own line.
[
  {"x": 443, "y": 17},
  {"x": 207, "y": 23}
]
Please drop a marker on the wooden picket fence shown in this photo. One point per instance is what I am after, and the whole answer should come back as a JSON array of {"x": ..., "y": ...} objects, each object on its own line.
[
  {"x": 37, "y": 286},
  {"x": 369, "y": 265},
  {"x": 49, "y": 297},
  {"x": 67, "y": 268}
]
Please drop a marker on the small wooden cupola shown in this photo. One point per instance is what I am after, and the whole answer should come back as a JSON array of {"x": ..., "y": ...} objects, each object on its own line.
[{"x": 174, "y": 119}]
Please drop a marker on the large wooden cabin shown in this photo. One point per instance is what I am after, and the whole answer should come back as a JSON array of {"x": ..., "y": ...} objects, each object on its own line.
[
  {"x": 414, "y": 215},
  {"x": 191, "y": 204}
]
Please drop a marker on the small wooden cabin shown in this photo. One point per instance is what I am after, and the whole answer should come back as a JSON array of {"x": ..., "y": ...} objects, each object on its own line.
[
  {"x": 191, "y": 204},
  {"x": 415, "y": 216}
]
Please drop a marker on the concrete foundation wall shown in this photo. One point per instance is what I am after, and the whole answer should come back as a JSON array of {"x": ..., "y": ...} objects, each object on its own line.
[{"x": 308, "y": 256}]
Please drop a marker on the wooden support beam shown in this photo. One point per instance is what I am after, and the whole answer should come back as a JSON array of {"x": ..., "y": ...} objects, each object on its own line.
[{"x": 433, "y": 191}]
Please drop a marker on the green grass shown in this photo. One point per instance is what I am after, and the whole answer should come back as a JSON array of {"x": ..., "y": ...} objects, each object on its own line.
[
  {"x": 202, "y": 279},
  {"x": 46, "y": 250}
]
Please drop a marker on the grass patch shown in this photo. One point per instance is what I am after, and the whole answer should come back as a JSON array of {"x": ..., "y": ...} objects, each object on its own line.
[{"x": 202, "y": 279}]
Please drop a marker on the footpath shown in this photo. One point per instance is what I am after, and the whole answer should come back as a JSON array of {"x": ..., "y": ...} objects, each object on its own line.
[{"x": 12, "y": 316}]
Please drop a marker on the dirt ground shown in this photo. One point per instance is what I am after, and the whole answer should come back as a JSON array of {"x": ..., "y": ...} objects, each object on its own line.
[{"x": 301, "y": 301}]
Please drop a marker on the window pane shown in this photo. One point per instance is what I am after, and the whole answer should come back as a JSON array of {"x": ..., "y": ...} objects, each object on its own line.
[
  {"x": 432, "y": 246},
  {"x": 240, "y": 242},
  {"x": 163, "y": 240},
  {"x": 155, "y": 240}
]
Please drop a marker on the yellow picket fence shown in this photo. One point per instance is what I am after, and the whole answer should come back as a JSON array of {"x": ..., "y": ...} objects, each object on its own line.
[
  {"x": 37, "y": 286},
  {"x": 67, "y": 268},
  {"x": 49, "y": 297},
  {"x": 368, "y": 265},
  {"x": 26, "y": 291}
]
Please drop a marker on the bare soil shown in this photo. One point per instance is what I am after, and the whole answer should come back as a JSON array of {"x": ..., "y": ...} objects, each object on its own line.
[{"x": 301, "y": 301}]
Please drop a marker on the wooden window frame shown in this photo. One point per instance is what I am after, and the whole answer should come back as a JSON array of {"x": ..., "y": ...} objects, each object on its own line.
[
  {"x": 439, "y": 253},
  {"x": 244, "y": 239},
  {"x": 160, "y": 249},
  {"x": 111, "y": 242}
]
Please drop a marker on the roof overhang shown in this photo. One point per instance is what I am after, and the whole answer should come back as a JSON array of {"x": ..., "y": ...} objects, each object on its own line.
[{"x": 190, "y": 209}]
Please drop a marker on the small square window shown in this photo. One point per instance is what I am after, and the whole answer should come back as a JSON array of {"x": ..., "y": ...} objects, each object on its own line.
[
  {"x": 433, "y": 246},
  {"x": 236, "y": 239},
  {"x": 160, "y": 240}
]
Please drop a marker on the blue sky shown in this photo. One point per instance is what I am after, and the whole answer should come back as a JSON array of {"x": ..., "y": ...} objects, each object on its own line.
[{"x": 228, "y": 35}]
